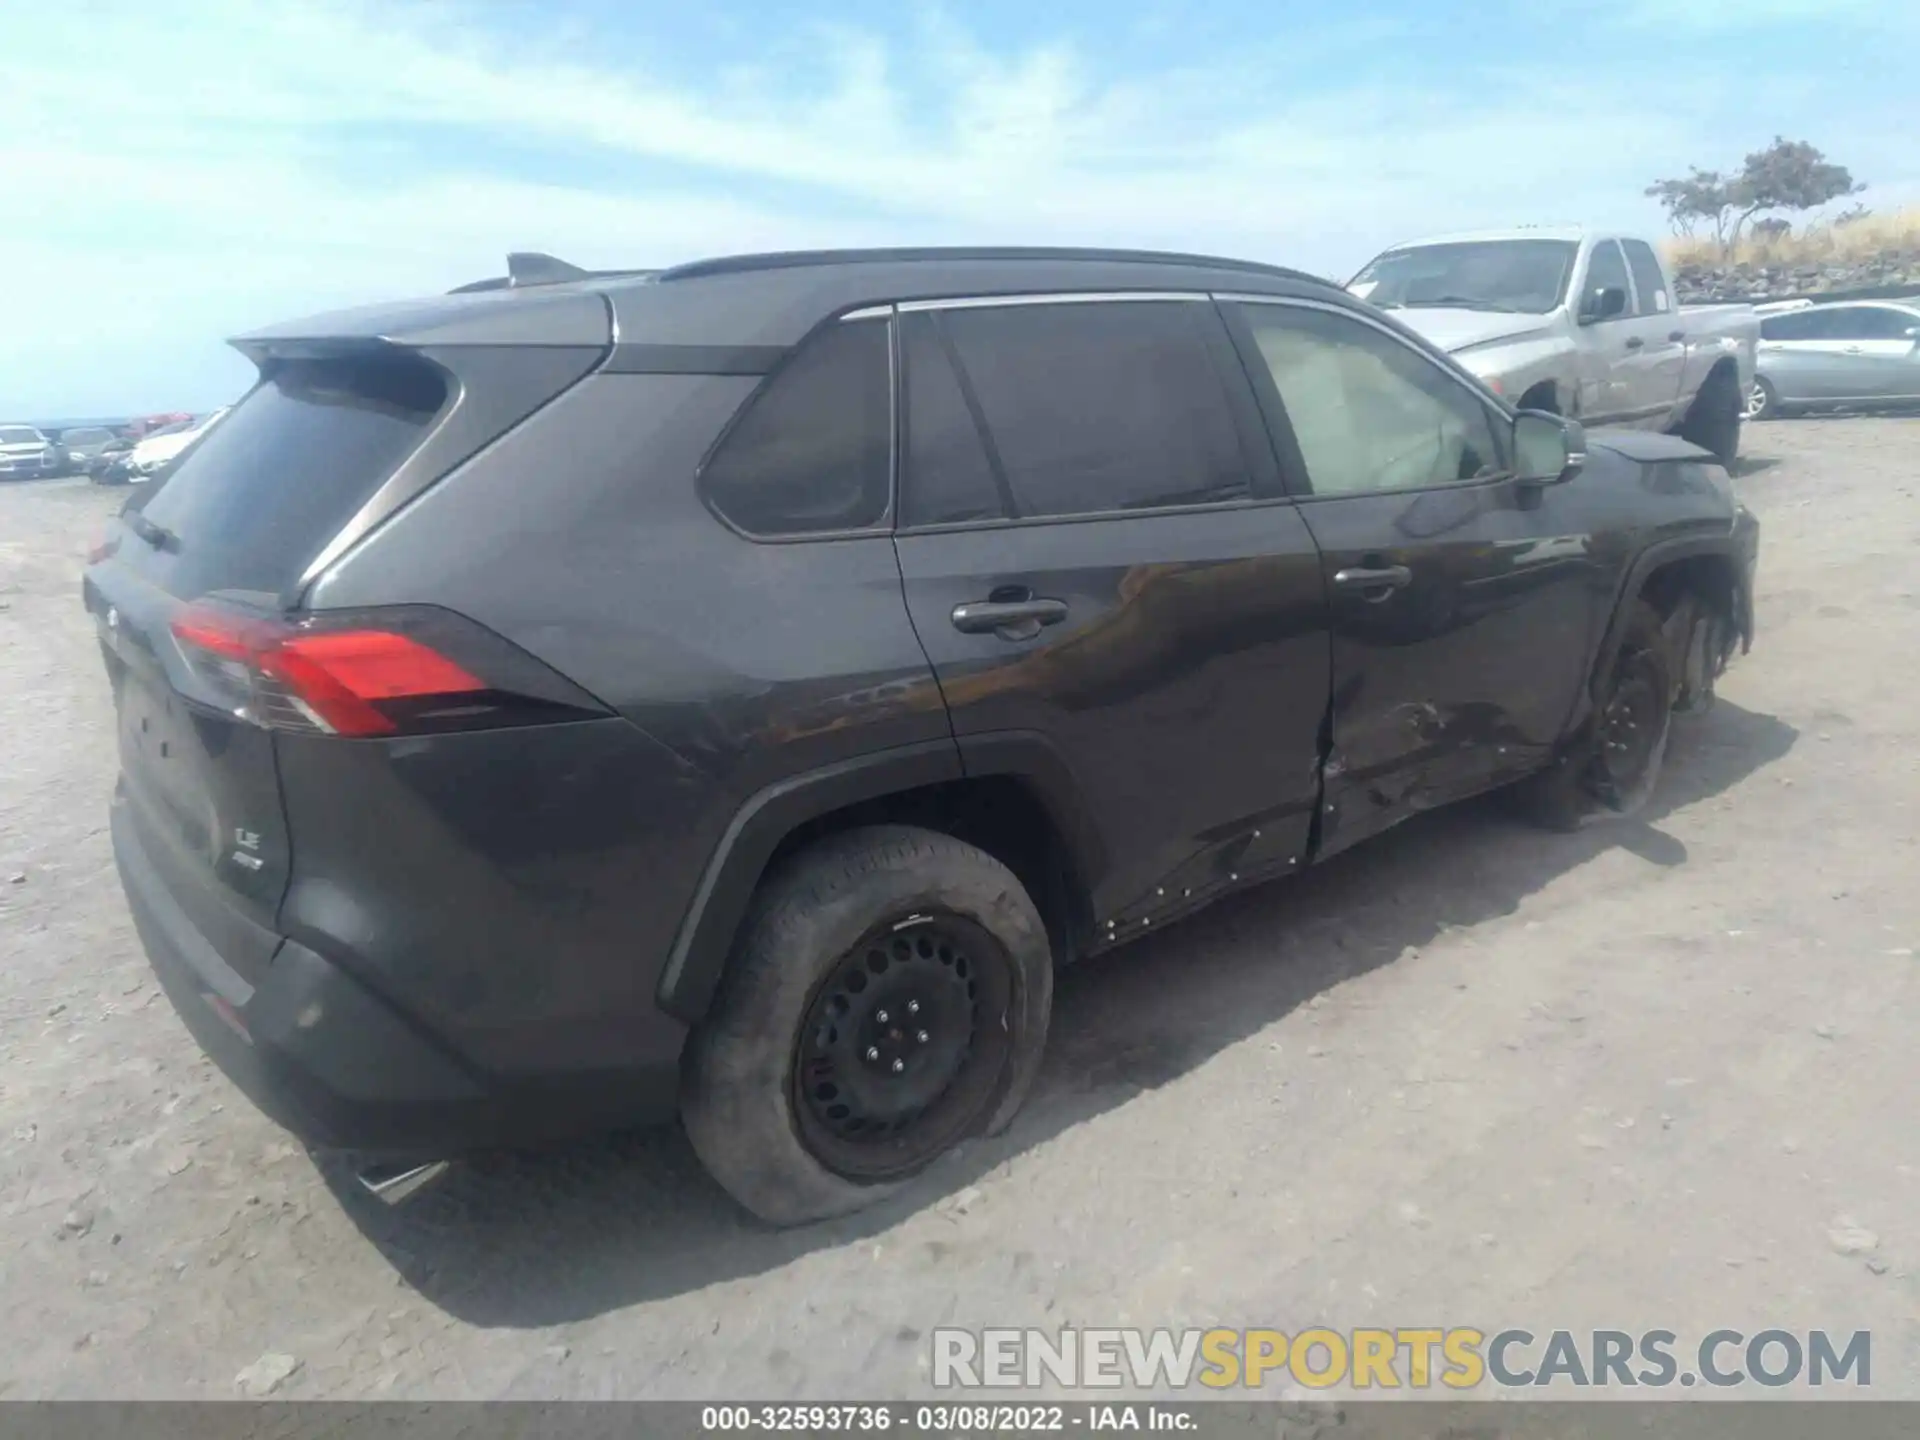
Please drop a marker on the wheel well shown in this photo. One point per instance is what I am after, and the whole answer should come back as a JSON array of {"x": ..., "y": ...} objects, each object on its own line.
[
  {"x": 1543, "y": 396},
  {"x": 1708, "y": 578},
  {"x": 1000, "y": 814}
]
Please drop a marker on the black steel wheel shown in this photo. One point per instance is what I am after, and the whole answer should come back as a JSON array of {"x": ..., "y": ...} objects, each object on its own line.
[
  {"x": 1611, "y": 766},
  {"x": 888, "y": 998},
  {"x": 898, "y": 1046},
  {"x": 1632, "y": 730}
]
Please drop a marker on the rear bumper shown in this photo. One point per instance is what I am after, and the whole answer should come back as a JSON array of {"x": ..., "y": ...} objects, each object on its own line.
[{"x": 331, "y": 1061}]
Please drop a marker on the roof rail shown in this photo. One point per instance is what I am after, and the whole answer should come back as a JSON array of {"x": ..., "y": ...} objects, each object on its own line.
[
  {"x": 531, "y": 267},
  {"x": 797, "y": 259}
]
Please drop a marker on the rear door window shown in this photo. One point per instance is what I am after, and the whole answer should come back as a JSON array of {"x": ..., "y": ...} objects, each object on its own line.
[
  {"x": 1092, "y": 408},
  {"x": 269, "y": 484},
  {"x": 1649, "y": 284},
  {"x": 1874, "y": 323},
  {"x": 812, "y": 453}
]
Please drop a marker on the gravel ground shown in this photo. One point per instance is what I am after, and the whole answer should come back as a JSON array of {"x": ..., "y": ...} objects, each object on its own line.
[{"x": 1661, "y": 1074}]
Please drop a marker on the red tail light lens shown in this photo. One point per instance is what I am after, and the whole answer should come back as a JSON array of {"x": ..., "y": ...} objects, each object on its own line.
[
  {"x": 388, "y": 673},
  {"x": 102, "y": 549}
]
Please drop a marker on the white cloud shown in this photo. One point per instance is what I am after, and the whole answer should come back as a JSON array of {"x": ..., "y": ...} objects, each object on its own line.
[{"x": 267, "y": 169}]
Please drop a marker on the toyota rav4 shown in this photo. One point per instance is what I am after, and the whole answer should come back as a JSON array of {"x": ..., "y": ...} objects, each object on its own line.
[{"x": 731, "y": 691}]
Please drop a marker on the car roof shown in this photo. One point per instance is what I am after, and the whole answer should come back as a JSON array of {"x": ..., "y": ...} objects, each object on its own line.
[
  {"x": 750, "y": 303},
  {"x": 1575, "y": 233}
]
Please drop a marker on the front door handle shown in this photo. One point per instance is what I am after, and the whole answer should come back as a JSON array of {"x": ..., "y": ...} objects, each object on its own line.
[
  {"x": 1676, "y": 335},
  {"x": 1635, "y": 343},
  {"x": 1852, "y": 350},
  {"x": 1374, "y": 584},
  {"x": 1009, "y": 619}
]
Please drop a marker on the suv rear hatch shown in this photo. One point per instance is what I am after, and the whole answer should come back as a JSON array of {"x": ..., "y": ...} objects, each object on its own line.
[{"x": 196, "y": 593}]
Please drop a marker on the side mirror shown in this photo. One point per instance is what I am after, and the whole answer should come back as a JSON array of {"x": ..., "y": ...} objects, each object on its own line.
[
  {"x": 1607, "y": 303},
  {"x": 1912, "y": 332},
  {"x": 1547, "y": 449}
]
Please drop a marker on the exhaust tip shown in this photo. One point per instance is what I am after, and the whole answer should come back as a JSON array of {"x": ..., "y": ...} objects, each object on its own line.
[{"x": 392, "y": 1184}]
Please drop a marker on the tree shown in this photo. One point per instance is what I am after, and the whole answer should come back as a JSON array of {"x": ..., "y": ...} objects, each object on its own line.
[
  {"x": 1787, "y": 175},
  {"x": 1703, "y": 195}
]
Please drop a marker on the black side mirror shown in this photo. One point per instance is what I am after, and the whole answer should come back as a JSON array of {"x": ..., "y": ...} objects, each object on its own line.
[
  {"x": 1607, "y": 303},
  {"x": 1547, "y": 449}
]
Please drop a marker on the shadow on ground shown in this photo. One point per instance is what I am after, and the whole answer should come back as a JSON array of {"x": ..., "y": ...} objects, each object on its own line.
[{"x": 545, "y": 1239}]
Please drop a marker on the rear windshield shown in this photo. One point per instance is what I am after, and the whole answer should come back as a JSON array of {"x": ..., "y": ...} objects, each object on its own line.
[{"x": 256, "y": 497}]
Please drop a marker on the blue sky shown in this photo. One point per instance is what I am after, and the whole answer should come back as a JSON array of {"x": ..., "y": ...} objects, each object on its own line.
[{"x": 177, "y": 171}]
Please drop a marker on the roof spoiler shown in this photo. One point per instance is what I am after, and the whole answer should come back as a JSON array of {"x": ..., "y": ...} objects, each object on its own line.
[{"x": 531, "y": 267}]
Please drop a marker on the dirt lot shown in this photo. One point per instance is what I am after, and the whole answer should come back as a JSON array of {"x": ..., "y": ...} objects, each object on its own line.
[{"x": 1659, "y": 1075}]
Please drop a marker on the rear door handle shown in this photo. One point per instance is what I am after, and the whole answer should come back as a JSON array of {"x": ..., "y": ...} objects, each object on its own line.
[
  {"x": 1635, "y": 343},
  {"x": 1373, "y": 583},
  {"x": 1010, "y": 619},
  {"x": 1852, "y": 350}
]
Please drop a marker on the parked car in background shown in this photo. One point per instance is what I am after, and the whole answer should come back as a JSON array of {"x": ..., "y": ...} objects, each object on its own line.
[
  {"x": 82, "y": 446},
  {"x": 153, "y": 454},
  {"x": 26, "y": 454},
  {"x": 1858, "y": 353},
  {"x": 1579, "y": 323},
  {"x": 763, "y": 760}
]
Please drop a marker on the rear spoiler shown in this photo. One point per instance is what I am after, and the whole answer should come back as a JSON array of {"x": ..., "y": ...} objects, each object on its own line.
[{"x": 530, "y": 267}]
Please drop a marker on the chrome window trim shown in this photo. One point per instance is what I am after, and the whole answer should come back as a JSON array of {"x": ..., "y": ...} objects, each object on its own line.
[{"x": 1058, "y": 297}]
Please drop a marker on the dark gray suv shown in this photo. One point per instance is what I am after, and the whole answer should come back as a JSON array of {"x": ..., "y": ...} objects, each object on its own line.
[{"x": 732, "y": 691}]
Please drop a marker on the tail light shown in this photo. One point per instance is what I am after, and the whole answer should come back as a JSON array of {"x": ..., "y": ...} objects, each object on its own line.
[
  {"x": 103, "y": 548},
  {"x": 406, "y": 671}
]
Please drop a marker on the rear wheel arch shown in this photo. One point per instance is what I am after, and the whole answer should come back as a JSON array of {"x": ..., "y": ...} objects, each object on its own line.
[{"x": 1011, "y": 797}]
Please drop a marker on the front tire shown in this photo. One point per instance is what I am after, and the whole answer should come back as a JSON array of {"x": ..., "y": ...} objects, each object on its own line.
[
  {"x": 888, "y": 999},
  {"x": 1713, "y": 421},
  {"x": 1612, "y": 766},
  {"x": 1763, "y": 401}
]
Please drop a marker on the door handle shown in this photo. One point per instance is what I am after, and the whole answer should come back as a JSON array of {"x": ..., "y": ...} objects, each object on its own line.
[
  {"x": 1676, "y": 335},
  {"x": 1852, "y": 350},
  {"x": 1635, "y": 343},
  {"x": 1374, "y": 584},
  {"x": 1010, "y": 619},
  {"x": 1771, "y": 349}
]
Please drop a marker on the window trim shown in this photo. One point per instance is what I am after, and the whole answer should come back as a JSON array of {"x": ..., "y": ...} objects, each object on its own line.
[
  {"x": 1293, "y": 466},
  {"x": 1265, "y": 486},
  {"x": 884, "y": 524}
]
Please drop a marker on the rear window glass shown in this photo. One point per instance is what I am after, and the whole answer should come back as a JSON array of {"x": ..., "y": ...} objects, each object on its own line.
[
  {"x": 813, "y": 452},
  {"x": 260, "y": 494}
]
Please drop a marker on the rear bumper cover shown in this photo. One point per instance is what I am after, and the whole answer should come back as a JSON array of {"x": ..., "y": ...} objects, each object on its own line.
[{"x": 331, "y": 1061}]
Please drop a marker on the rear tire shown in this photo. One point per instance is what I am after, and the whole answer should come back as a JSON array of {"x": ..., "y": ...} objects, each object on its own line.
[
  {"x": 1713, "y": 421},
  {"x": 1610, "y": 769},
  {"x": 802, "y": 1104}
]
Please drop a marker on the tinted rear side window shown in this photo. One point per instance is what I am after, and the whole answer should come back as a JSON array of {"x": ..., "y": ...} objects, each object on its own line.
[
  {"x": 1101, "y": 407},
  {"x": 813, "y": 451},
  {"x": 270, "y": 483}
]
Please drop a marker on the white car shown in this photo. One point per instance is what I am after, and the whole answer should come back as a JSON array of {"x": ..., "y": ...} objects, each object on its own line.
[
  {"x": 25, "y": 453},
  {"x": 161, "y": 447}
]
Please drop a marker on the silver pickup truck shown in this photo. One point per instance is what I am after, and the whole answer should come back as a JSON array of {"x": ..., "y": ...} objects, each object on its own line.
[{"x": 1578, "y": 322}]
